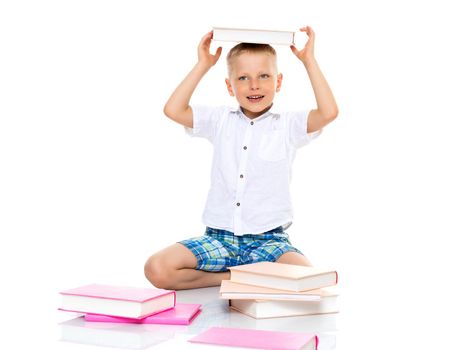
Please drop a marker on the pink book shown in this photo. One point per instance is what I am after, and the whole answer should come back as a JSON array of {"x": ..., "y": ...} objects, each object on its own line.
[
  {"x": 257, "y": 339},
  {"x": 117, "y": 301},
  {"x": 181, "y": 314}
]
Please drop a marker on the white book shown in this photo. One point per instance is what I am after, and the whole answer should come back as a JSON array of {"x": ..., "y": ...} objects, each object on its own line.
[
  {"x": 284, "y": 308},
  {"x": 258, "y": 36}
]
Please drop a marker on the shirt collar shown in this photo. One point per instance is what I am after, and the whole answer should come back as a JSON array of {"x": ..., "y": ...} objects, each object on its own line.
[{"x": 237, "y": 110}]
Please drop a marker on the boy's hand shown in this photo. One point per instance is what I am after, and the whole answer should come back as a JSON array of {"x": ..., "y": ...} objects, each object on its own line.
[
  {"x": 204, "y": 57},
  {"x": 307, "y": 53}
]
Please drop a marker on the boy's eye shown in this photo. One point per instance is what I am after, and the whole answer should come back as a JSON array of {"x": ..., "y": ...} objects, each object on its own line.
[
  {"x": 242, "y": 78},
  {"x": 264, "y": 76}
]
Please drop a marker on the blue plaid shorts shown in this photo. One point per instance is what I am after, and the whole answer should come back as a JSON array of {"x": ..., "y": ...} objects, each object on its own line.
[{"x": 218, "y": 249}]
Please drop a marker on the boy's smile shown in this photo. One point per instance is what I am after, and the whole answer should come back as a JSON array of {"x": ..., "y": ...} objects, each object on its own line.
[
  {"x": 255, "y": 98},
  {"x": 253, "y": 80}
]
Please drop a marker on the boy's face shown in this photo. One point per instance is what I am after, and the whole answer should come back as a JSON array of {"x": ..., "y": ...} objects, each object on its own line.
[{"x": 254, "y": 81}]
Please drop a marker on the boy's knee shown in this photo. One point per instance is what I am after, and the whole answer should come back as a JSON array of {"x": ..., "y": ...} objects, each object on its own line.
[
  {"x": 294, "y": 258},
  {"x": 158, "y": 273}
]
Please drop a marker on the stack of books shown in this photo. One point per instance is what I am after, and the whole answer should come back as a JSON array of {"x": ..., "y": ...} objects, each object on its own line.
[
  {"x": 267, "y": 289},
  {"x": 104, "y": 303}
]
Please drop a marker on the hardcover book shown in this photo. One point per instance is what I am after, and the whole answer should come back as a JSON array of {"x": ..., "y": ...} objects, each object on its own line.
[
  {"x": 257, "y": 339},
  {"x": 274, "y": 275},
  {"x": 258, "y": 36},
  {"x": 181, "y": 314},
  {"x": 284, "y": 308},
  {"x": 233, "y": 290},
  {"x": 117, "y": 301}
]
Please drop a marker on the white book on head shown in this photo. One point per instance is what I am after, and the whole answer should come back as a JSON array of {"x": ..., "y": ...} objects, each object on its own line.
[{"x": 257, "y": 36}]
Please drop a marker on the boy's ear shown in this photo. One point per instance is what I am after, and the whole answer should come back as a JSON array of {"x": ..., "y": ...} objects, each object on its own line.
[
  {"x": 279, "y": 82},
  {"x": 229, "y": 87}
]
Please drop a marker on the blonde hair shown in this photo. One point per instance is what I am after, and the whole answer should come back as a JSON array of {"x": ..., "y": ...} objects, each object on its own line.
[{"x": 241, "y": 48}]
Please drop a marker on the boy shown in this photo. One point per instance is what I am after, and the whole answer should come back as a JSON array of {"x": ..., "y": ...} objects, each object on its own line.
[{"x": 248, "y": 205}]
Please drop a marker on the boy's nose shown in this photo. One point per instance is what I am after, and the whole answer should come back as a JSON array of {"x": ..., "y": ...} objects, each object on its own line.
[{"x": 254, "y": 85}]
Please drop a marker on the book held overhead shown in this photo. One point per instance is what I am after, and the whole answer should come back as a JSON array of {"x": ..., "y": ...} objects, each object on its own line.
[{"x": 255, "y": 36}]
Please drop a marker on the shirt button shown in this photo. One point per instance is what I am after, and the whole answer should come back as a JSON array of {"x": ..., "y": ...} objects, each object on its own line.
[
  {"x": 245, "y": 147},
  {"x": 251, "y": 123},
  {"x": 238, "y": 204},
  {"x": 241, "y": 176}
]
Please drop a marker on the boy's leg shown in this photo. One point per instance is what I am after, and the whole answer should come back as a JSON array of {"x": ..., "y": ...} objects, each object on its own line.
[
  {"x": 293, "y": 258},
  {"x": 174, "y": 268},
  {"x": 274, "y": 246}
]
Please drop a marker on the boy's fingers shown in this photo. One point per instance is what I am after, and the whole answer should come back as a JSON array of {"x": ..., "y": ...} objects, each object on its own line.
[
  {"x": 294, "y": 49},
  {"x": 205, "y": 41},
  {"x": 307, "y": 29},
  {"x": 207, "y": 36}
]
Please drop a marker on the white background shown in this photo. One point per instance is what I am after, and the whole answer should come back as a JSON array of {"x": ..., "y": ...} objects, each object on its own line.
[{"x": 94, "y": 178}]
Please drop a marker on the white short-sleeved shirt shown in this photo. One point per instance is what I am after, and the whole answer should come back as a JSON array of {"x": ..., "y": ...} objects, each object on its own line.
[{"x": 251, "y": 166}]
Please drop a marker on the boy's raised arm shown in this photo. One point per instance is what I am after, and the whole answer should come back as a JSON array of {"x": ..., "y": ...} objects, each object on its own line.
[
  {"x": 327, "y": 108},
  {"x": 178, "y": 107}
]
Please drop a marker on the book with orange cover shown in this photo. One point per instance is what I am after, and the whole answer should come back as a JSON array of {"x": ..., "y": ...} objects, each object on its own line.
[
  {"x": 294, "y": 278},
  {"x": 233, "y": 290}
]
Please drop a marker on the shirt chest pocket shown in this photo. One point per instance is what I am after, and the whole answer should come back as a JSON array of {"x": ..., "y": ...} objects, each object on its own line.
[{"x": 272, "y": 146}]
